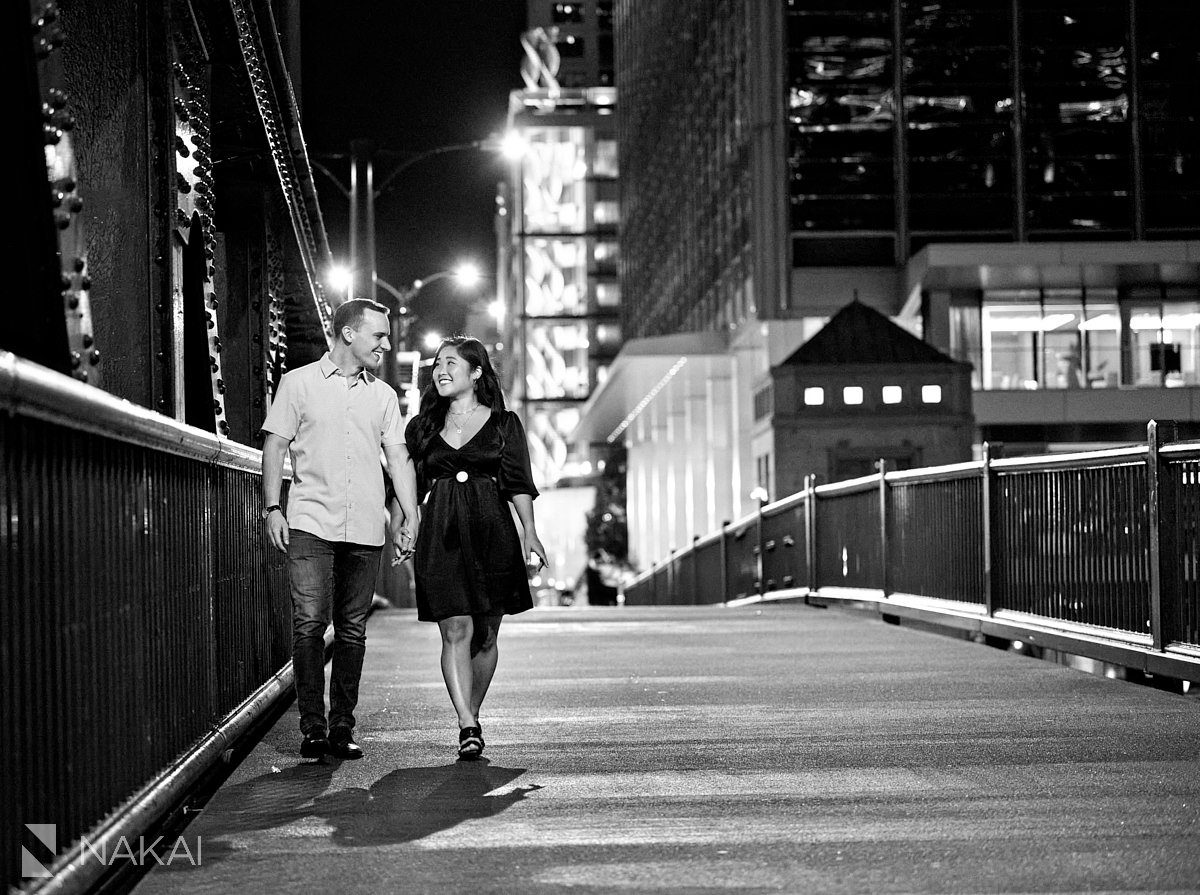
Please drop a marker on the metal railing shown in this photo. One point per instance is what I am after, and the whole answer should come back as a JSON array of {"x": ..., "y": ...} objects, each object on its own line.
[
  {"x": 139, "y": 601},
  {"x": 1094, "y": 553}
]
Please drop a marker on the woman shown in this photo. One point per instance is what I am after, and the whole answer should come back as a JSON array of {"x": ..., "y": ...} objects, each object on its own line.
[{"x": 470, "y": 572}]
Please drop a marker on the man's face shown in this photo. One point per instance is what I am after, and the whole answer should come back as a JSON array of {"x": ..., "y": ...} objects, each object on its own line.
[{"x": 369, "y": 342}]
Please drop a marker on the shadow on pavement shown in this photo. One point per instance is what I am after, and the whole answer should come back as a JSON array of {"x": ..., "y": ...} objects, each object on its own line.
[{"x": 405, "y": 805}]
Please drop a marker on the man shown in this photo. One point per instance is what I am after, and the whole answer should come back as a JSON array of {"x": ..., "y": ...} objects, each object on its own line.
[{"x": 334, "y": 416}]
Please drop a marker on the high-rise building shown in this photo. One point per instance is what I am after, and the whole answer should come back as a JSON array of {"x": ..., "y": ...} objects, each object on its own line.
[
  {"x": 556, "y": 224},
  {"x": 583, "y": 37},
  {"x": 1017, "y": 182}
]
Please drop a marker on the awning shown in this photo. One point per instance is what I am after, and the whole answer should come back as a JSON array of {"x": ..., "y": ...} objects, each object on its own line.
[{"x": 642, "y": 369}]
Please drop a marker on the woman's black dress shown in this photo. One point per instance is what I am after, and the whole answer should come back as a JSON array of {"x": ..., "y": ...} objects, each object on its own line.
[{"x": 468, "y": 557}]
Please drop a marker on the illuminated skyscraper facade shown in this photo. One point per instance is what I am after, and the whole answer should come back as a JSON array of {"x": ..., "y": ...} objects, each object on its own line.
[{"x": 557, "y": 232}]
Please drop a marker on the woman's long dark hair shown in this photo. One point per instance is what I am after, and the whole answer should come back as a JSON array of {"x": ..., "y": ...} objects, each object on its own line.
[{"x": 431, "y": 417}]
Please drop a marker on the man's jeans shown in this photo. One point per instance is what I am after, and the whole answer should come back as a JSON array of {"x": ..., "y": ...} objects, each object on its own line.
[{"x": 329, "y": 575}]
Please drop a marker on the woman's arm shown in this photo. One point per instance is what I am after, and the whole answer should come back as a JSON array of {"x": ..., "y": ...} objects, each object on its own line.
[
  {"x": 404, "y": 480},
  {"x": 524, "y": 506}
]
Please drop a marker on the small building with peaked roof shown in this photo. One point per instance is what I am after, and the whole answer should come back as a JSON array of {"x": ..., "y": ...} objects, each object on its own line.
[{"x": 860, "y": 390}]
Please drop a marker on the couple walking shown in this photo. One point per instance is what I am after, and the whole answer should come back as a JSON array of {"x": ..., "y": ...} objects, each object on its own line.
[{"x": 463, "y": 456}]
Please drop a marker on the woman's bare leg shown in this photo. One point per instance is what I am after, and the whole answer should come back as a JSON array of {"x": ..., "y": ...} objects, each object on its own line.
[
  {"x": 484, "y": 654},
  {"x": 457, "y": 666}
]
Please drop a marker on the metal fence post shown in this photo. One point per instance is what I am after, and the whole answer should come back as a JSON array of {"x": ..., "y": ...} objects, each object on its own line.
[
  {"x": 885, "y": 576},
  {"x": 1164, "y": 595},
  {"x": 810, "y": 530},
  {"x": 724, "y": 560},
  {"x": 988, "y": 484},
  {"x": 762, "y": 559}
]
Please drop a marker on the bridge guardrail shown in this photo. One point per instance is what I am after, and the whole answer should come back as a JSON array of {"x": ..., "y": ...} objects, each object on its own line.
[
  {"x": 1095, "y": 553},
  {"x": 140, "y": 603}
]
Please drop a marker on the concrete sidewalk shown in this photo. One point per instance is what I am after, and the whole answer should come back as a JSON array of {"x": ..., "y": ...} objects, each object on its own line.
[{"x": 771, "y": 748}]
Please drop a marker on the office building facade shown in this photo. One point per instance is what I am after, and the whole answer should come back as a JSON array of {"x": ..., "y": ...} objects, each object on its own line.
[
  {"x": 1016, "y": 182},
  {"x": 557, "y": 233}
]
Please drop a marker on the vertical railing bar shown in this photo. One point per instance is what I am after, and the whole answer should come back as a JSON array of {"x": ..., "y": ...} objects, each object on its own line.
[
  {"x": 884, "y": 571},
  {"x": 726, "y": 593},
  {"x": 810, "y": 533},
  {"x": 1160, "y": 502},
  {"x": 987, "y": 479}
]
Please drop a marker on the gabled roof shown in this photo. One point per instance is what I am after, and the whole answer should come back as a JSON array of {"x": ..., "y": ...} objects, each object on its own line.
[{"x": 858, "y": 334}]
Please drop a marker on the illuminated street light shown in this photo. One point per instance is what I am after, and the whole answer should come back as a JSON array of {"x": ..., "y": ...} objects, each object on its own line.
[
  {"x": 467, "y": 274},
  {"x": 340, "y": 278},
  {"x": 363, "y": 193},
  {"x": 513, "y": 146},
  {"x": 432, "y": 341}
]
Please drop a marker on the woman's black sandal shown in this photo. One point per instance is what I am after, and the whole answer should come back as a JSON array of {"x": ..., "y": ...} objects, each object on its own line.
[{"x": 470, "y": 743}]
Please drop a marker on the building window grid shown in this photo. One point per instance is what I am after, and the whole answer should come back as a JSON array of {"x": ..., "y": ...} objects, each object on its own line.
[
  {"x": 676, "y": 181},
  {"x": 958, "y": 134},
  {"x": 1077, "y": 339}
]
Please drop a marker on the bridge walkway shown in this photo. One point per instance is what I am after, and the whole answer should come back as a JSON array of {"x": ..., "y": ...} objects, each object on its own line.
[{"x": 766, "y": 748}]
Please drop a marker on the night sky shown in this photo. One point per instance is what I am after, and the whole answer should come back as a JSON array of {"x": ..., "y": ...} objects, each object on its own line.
[{"x": 412, "y": 75}]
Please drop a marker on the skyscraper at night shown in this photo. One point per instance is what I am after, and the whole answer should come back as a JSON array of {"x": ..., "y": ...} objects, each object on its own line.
[
  {"x": 557, "y": 219},
  {"x": 1017, "y": 182}
]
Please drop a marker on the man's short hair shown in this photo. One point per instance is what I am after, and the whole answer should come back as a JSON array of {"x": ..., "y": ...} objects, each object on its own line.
[{"x": 350, "y": 313}]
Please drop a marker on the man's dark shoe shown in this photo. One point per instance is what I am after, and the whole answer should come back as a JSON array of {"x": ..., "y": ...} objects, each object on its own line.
[
  {"x": 315, "y": 744},
  {"x": 341, "y": 744}
]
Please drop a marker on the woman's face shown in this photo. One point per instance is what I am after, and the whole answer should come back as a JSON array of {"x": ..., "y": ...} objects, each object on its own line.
[{"x": 452, "y": 374}]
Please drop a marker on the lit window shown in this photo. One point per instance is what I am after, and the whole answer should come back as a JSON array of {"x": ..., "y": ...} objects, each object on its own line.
[
  {"x": 852, "y": 394},
  {"x": 607, "y": 212},
  {"x": 608, "y": 295},
  {"x": 605, "y": 162},
  {"x": 931, "y": 394},
  {"x": 892, "y": 394},
  {"x": 605, "y": 251},
  {"x": 608, "y": 333},
  {"x": 570, "y": 46},
  {"x": 814, "y": 396},
  {"x": 568, "y": 12}
]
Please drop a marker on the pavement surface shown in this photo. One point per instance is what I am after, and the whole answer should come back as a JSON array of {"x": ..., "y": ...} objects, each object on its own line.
[{"x": 770, "y": 748}]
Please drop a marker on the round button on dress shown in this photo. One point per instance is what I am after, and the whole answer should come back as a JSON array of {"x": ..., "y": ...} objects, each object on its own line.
[{"x": 461, "y": 475}]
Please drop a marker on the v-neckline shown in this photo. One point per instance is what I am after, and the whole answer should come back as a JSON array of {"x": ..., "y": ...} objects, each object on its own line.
[{"x": 469, "y": 440}]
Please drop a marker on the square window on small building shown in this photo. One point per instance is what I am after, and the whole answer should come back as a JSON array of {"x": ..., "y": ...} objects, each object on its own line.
[
  {"x": 892, "y": 394},
  {"x": 814, "y": 396},
  {"x": 931, "y": 394},
  {"x": 852, "y": 394}
]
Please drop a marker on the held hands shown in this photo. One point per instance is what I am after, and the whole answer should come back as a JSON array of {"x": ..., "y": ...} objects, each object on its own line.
[{"x": 404, "y": 541}]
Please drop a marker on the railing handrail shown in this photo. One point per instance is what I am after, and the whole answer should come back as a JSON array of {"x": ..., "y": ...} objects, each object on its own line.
[
  {"x": 944, "y": 473},
  {"x": 1119, "y": 456},
  {"x": 29, "y": 389}
]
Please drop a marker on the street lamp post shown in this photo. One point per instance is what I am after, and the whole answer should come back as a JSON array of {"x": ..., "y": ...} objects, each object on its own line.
[
  {"x": 466, "y": 275},
  {"x": 362, "y": 195}
]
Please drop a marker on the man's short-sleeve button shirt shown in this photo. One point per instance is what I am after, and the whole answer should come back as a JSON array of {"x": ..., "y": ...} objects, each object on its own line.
[{"x": 336, "y": 425}]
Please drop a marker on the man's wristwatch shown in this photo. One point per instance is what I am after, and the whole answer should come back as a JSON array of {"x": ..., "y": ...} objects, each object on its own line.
[{"x": 267, "y": 511}]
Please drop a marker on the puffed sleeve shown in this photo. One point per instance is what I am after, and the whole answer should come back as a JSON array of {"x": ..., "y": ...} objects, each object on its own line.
[{"x": 516, "y": 476}]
